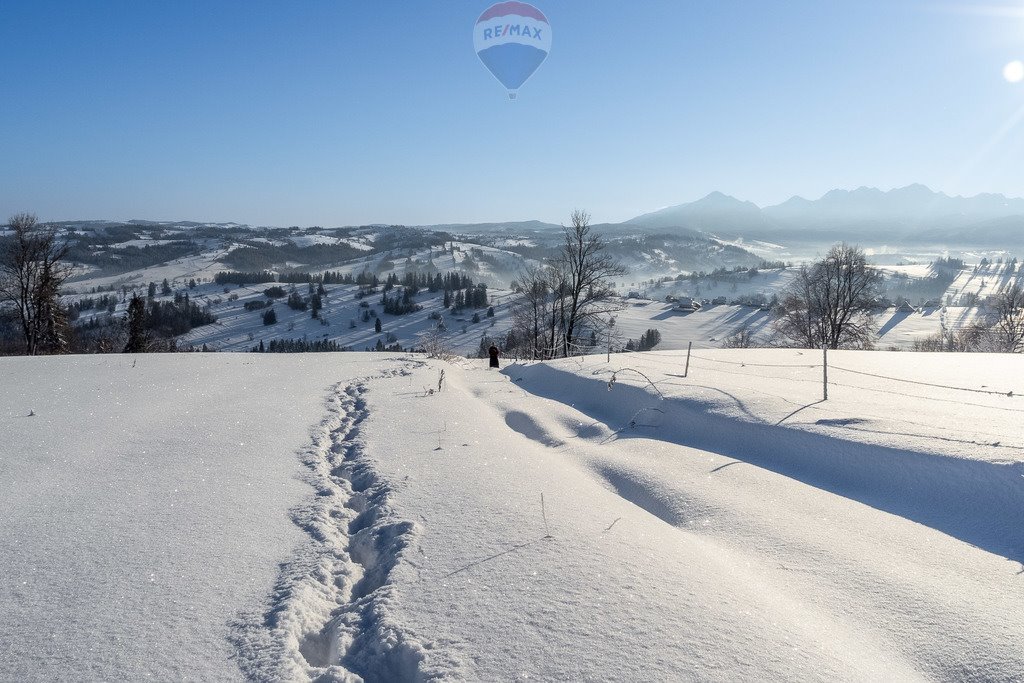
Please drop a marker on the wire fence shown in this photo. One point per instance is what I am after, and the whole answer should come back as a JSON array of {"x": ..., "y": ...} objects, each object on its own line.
[
  {"x": 703, "y": 369},
  {"x": 757, "y": 365},
  {"x": 812, "y": 365},
  {"x": 1008, "y": 394},
  {"x": 579, "y": 351},
  {"x": 652, "y": 378}
]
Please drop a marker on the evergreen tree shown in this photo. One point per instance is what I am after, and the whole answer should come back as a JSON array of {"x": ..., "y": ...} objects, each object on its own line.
[
  {"x": 165, "y": 288},
  {"x": 270, "y": 317},
  {"x": 152, "y": 290},
  {"x": 296, "y": 302},
  {"x": 648, "y": 340},
  {"x": 377, "y": 326},
  {"x": 136, "y": 323}
]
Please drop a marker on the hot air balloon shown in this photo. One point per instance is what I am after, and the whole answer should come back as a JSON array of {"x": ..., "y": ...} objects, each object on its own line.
[{"x": 512, "y": 39}]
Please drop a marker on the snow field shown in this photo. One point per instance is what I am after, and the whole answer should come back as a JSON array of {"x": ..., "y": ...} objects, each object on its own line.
[
  {"x": 329, "y": 517},
  {"x": 146, "y": 505},
  {"x": 823, "y": 578}
]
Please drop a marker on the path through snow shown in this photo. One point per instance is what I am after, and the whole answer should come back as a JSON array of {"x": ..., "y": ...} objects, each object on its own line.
[{"x": 329, "y": 617}]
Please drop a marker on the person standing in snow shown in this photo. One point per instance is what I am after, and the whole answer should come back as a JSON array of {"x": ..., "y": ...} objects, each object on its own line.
[{"x": 493, "y": 353}]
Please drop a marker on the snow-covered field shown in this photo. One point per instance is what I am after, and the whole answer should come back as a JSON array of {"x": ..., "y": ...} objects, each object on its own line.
[
  {"x": 223, "y": 516},
  {"x": 987, "y": 280},
  {"x": 203, "y": 266}
]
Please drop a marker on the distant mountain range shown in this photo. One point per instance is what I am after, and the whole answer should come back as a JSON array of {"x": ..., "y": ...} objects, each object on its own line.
[
  {"x": 912, "y": 215},
  {"x": 908, "y": 214}
]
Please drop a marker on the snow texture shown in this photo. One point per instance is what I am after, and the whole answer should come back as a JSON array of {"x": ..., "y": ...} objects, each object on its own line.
[{"x": 358, "y": 517}]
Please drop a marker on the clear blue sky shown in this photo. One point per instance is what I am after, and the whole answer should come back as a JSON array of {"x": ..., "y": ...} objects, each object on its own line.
[{"x": 338, "y": 113}]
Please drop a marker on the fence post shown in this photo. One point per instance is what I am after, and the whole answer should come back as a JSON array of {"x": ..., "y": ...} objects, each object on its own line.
[
  {"x": 824, "y": 374},
  {"x": 689, "y": 346}
]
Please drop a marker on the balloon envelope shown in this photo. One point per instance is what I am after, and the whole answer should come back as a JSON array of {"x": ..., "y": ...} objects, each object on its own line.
[{"x": 512, "y": 39}]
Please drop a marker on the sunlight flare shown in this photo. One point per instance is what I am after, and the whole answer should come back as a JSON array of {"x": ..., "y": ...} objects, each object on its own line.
[{"x": 1014, "y": 71}]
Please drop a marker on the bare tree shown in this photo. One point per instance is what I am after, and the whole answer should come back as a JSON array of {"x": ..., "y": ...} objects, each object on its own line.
[
  {"x": 530, "y": 314},
  {"x": 1009, "y": 319},
  {"x": 830, "y": 302},
  {"x": 744, "y": 339},
  {"x": 31, "y": 274},
  {"x": 585, "y": 294},
  {"x": 975, "y": 337}
]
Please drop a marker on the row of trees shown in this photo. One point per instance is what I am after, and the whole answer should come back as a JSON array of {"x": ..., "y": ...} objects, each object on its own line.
[
  {"x": 832, "y": 302},
  {"x": 434, "y": 282},
  {"x": 149, "y": 325},
  {"x": 1002, "y": 330}
]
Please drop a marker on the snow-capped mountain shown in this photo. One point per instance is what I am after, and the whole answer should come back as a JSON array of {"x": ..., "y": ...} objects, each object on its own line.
[{"x": 913, "y": 213}]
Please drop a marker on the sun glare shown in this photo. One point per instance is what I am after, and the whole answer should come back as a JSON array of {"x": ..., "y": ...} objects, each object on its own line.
[{"x": 1014, "y": 71}]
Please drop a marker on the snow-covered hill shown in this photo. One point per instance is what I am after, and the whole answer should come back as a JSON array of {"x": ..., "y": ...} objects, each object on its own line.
[{"x": 222, "y": 516}]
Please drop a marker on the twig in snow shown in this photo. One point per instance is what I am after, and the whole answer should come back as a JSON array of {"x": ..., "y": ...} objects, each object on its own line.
[
  {"x": 543, "y": 514},
  {"x": 612, "y": 524},
  {"x": 632, "y": 423},
  {"x": 439, "y": 433},
  {"x": 493, "y": 557},
  {"x": 612, "y": 381}
]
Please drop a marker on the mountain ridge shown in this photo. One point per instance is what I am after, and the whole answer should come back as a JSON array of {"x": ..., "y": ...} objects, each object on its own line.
[{"x": 911, "y": 213}]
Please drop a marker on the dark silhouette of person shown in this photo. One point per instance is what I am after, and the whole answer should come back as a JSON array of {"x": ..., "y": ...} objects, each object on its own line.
[{"x": 493, "y": 353}]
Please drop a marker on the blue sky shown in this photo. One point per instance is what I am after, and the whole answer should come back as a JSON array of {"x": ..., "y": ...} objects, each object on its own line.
[{"x": 340, "y": 113}]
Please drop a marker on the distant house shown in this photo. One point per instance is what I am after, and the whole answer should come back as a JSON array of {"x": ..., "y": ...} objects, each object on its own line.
[
  {"x": 685, "y": 303},
  {"x": 905, "y": 307}
]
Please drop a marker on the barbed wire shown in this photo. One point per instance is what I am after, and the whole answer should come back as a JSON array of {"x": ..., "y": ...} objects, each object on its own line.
[
  {"x": 990, "y": 392},
  {"x": 816, "y": 380},
  {"x": 957, "y": 401},
  {"x": 757, "y": 365},
  {"x": 1008, "y": 394}
]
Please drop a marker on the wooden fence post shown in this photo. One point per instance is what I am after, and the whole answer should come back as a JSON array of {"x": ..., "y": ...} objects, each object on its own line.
[{"x": 824, "y": 374}]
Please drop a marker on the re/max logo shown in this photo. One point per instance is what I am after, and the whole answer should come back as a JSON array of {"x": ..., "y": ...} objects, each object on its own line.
[{"x": 512, "y": 30}]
